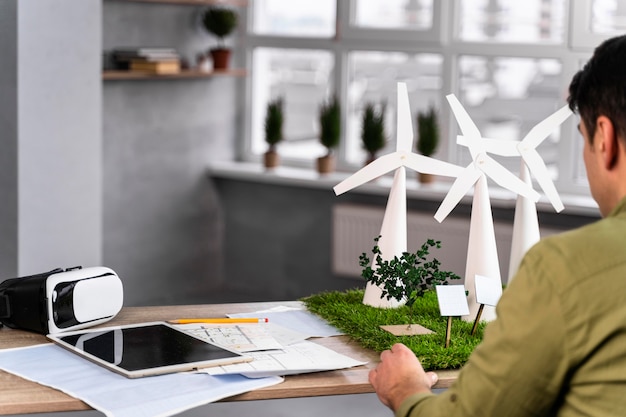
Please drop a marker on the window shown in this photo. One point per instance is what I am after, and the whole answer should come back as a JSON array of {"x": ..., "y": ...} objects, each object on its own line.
[
  {"x": 372, "y": 78},
  {"x": 508, "y": 61},
  {"x": 393, "y": 14},
  {"x": 528, "y": 21},
  {"x": 294, "y": 18},
  {"x": 594, "y": 20},
  {"x": 507, "y": 96},
  {"x": 303, "y": 78}
]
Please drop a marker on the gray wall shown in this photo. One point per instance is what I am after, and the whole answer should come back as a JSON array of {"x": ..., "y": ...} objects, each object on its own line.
[
  {"x": 162, "y": 223},
  {"x": 51, "y": 160},
  {"x": 8, "y": 138}
]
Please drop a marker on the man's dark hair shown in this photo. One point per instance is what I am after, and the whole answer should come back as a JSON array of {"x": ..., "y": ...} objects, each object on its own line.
[{"x": 599, "y": 89}]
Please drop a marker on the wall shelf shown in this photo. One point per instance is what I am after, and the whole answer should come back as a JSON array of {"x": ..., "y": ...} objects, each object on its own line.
[
  {"x": 235, "y": 3},
  {"x": 138, "y": 75}
]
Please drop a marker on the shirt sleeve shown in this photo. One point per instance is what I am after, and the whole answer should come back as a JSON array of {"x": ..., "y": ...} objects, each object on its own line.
[{"x": 519, "y": 368}]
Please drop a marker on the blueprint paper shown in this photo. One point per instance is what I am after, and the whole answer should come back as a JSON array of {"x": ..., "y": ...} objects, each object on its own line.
[
  {"x": 116, "y": 395},
  {"x": 295, "y": 319},
  {"x": 247, "y": 337},
  {"x": 298, "y": 358}
]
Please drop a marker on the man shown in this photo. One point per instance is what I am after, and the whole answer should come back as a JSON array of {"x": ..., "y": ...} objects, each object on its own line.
[{"x": 558, "y": 346}]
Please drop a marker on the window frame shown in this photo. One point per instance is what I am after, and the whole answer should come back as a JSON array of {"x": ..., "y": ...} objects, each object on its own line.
[{"x": 440, "y": 39}]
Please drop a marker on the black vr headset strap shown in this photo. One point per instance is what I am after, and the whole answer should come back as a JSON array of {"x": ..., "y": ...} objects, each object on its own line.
[{"x": 7, "y": 290}]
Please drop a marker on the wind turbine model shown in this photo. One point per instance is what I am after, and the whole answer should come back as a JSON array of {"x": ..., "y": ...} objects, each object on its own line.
[
  {"x": 393, "y": 232},
  {"x": 525, "y": 223},
  {"x": 482, "y": 254}
]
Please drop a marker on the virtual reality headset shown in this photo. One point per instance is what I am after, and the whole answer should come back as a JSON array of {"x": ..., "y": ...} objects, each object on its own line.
[{"x": 61, "y": 300}]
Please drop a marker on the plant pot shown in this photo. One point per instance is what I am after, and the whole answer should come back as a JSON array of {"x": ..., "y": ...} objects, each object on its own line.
[
  {"x": 425, "y": 178},
  {"x": 326, "y": 164},
  {"x": 271, "y": 159},
  {"x": 221, "y": 58}
]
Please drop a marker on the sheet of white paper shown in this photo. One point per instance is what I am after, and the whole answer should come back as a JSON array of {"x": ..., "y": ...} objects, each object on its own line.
[
  {"x": 452, "y": 300},
  {"x": 298, "y": 358},
  {"x": 295, "y": 319},
  {"x": 488, "y": 290},
  {"x": 116, "y": 395},
  {"x": 242, "y": 337}
]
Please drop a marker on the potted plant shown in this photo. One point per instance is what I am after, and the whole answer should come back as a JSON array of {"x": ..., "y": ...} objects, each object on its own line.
[
  {"x": 273, "y": 131},
  {"x": 407, "y": 277},
  {"x": 220, "y": 21},
  {"x": 427, "y": 137},
  {"x": 373, "y": 130},
  {"x": 330, "y": 131}
]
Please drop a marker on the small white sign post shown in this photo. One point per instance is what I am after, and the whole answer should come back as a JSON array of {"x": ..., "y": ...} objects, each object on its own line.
[
  {"x": 452, "y": 303},
  {"x": 488, "y": 292}
]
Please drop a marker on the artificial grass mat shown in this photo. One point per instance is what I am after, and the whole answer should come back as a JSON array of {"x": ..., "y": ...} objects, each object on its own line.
[{"x": 346, "y": 311}]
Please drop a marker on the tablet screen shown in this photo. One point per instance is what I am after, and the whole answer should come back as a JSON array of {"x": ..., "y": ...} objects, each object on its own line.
[{"x": 146, "y": 349}]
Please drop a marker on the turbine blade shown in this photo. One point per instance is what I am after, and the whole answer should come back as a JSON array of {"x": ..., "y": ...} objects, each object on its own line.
[
  {"x": 459, "y": 188},
  {"x": 404, "y": 124},
  {"x": 502, "y": 147},
  {"x": 469, "y": 129},
  {"x": 373, "y": 170},
  {"x": 505, "y": 178},
  {"x": 538, "y": 168},
  {"x": 427, "y": 165},
  {"x": 543, "y": 129}
]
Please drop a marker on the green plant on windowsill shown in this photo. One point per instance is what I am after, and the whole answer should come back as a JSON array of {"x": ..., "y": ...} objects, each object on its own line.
[
  {"x": 373, "y": 130},
  {"x": 427, "y": 136},
  {"x": 273, "y": 127},
  {"x": 330, "y": 133}
]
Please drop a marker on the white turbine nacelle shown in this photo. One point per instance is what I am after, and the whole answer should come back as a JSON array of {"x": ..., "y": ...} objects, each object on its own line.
[{"x": 527, "y": 150}]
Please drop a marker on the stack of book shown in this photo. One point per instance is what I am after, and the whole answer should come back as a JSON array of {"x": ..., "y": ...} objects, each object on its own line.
[{"x": 151, "y": 60}]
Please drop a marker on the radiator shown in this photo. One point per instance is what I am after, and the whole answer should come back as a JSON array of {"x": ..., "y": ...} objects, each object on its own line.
[{"x": 356, "y": 226}]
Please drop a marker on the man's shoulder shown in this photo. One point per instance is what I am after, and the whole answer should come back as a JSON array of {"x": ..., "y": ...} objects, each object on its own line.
[
  {"x": 596, "y": 235},
  {"x": 584, "y": 250}
]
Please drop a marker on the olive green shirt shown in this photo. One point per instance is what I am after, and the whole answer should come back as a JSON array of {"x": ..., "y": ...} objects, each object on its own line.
[{"x": 558, "y": 346}]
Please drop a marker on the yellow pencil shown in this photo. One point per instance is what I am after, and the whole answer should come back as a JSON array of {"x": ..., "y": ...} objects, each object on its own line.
[{"x": 220, "y": 320}]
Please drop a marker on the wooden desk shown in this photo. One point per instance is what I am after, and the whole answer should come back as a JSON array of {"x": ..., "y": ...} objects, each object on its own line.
[{"x": 19, "y": 396}]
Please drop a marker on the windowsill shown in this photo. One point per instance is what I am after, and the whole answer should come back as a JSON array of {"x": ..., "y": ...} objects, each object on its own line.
[{"x": 249, "y": 171}]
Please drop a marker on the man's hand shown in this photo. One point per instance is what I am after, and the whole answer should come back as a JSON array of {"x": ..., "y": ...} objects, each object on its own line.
[{"x": 399, "y": 375}]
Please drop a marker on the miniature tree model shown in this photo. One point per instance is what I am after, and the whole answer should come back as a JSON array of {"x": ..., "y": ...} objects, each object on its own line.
[
  {"x": 373, "y": 130},
  {"x": 274, "y": 119},
  {"x": 330, "y": 131},
  {"x": 406, "y": 277}
]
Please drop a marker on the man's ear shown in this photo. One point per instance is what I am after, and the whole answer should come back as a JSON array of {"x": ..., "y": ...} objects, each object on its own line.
[{"x": 608, "y": 144}]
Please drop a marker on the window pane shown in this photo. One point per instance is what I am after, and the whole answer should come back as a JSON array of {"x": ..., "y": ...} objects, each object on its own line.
[
  {"x": 394, "y": 14},
  {"x": 373, "y": 77},
  {"x": 309, "y": 18},
  {"x": 304, "y": 79},
  {"x": 506, "y": 97},
  {"x": 608, "y": 17},
  {"x": 527, "y": 21}
]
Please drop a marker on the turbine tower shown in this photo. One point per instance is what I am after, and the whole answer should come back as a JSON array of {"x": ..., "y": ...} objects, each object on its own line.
[
  {"x": 526, "y": 223},
  {"x": 393, "y": 232},
  {"x": 482, "y": 253}
]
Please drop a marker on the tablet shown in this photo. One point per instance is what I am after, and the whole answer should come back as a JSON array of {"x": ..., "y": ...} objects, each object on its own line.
[{"x": 146, "y": 349}]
